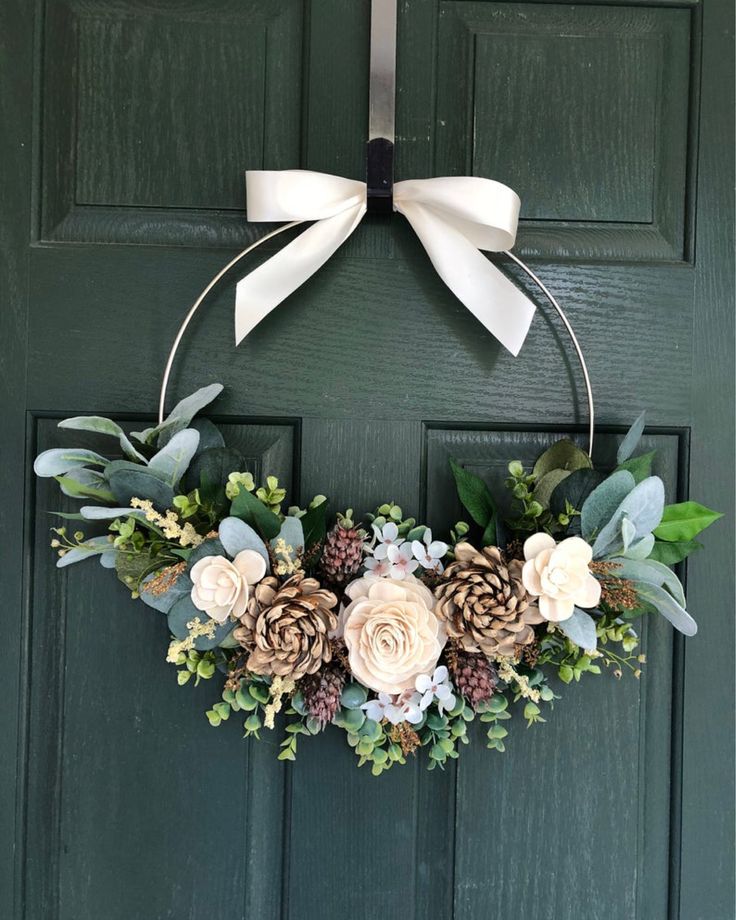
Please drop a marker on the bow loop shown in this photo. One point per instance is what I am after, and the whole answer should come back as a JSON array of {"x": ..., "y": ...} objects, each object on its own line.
[{"x": 454, "y": 217}]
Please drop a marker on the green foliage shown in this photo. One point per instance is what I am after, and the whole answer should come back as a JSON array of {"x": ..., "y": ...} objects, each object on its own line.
[
  {"x": 640, "y": 467},
  {"x": 492, "y": 713},
  {"x": 477, "y": 500},
  {"x": 670, "y": 553},
  {"x": 562, "y": 455},
  {"x": 271, "y": 494},
  {"x": 681, "y": 522},
  {"x": 314, "y": 522},
  {"x": 252, "y": 510}
]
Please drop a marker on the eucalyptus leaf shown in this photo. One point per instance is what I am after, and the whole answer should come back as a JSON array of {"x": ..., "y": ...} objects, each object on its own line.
[
  {"x": 126, "y": 484},
  {"x": 547, "y": 484},
  {"x": 85, "y": 483},
  {"x": 643, "y": 507},
  {"x": 631, "y": 441},
  {"x": 99, "y": 425},
  {"x": 292, "y": 533},
  {"x": 108, "y": 560},
  {"x": 669, "y": 608},
  {"x": 60, "y": 460},
  {"x": 670, "y": 553},
  {"x": 600, "y": 506},
  {"x": 640, "y": 467},
  {"x": 580, "y": 629},
  {"x": 182, "y": 587},
  {"x": 174, "y": 458},
  {"x": 183, "y": 611},
  {"x": 180, "y": 416},
  {"x": 235, "y": 536},
  {"x": 684, "y": 521},
  {"x": 211, "y": 547},
  {"x": 650, "y": 572},
  {"x": 562, "y": 455},
  {"x": 252, "y": 510},
  {"x": 92, "y": 547}
]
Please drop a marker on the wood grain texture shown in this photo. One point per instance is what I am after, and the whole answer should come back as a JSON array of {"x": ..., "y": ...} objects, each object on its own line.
[
  {"x": 703, "y": 854},
  {"x": 16, "y": 48}
]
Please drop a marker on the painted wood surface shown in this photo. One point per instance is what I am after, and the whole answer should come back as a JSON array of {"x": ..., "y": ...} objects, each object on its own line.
[{"x": 128, "y": 124}]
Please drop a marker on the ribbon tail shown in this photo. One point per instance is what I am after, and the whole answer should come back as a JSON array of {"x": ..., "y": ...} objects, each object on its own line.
[
  {"x": 263, "y": 289},
  {"x": 491, "y": 297}
]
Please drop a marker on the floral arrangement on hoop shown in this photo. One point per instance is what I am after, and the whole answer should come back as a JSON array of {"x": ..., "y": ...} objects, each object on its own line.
[{"x": 377, "y": 627}]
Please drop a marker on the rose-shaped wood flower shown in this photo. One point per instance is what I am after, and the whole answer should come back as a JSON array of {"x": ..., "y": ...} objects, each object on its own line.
[
  {"x": 286, "y": 628},
  {"x": 484, "y": 602},
  {"x": 221, "y": 587},
  {"x": 391, "y": 632},
  {"x": 559, "y": 575}
]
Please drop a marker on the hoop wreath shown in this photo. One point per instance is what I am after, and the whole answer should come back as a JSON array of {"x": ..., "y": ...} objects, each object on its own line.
[{"x": 379, "y": 625}]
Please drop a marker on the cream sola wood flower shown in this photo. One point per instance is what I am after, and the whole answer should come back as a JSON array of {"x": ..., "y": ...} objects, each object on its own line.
[
  {"x": 221, "y": 588},
  {"x": 559, "y": 575},
  {"x": 391, "y": 632}
]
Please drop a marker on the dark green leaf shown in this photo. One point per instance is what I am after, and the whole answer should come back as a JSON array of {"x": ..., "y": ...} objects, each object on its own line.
[
  {"x": 209, "y": 435},
  {"x": 314, "y": 523},
  {"x": 574, "y": 489},
  {"x": 252, "y": 510},
  {"x": 684, "y": 521},
  {"x": 183, "y": 612},
  {"x": 208, "y": 472},
  {"x": 562, "y": 455},
  {"x": 474, "y": 495},
  {"x": 639, "y": 467},
  {"x": 547, "y": 484},
  {"x": 672, "y": 553}
]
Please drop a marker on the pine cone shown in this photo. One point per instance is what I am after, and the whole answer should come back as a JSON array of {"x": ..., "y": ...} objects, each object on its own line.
[
  {"x": 484, "y": 602},
  {"x": 343, "y": 550},
  {"x": 286, "y": 627},
  {"x": 321, "y": 692},
  {"x": 472, "y": 674}
]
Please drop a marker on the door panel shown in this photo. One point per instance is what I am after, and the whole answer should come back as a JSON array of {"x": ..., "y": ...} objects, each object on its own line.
[{"x": 124, "y": 179}]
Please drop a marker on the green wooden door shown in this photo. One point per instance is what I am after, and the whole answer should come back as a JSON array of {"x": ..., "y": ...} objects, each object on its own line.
[{"x": 126, "y": 125}]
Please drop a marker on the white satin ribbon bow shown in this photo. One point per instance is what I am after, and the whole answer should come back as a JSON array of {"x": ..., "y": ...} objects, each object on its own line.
[{"x": 453, "y": 217}]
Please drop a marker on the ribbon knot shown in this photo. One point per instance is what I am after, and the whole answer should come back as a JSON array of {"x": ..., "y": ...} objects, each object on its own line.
[{"x": 454, "y": 217}]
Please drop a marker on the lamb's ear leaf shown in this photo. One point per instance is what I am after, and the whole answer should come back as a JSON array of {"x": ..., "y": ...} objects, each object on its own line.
[
  {"x": 100, "y": 425},
  {"x": 643, "y": 506},
  {"x": 650, "y": 572},
  {"x": 669, "y": 608},
  {"x": 600, "y": 506},
  {"x": 476, "y": 498},
  {"x": 633, "y": 436},
  {"x": 580, "y": 629},
  {"x": 60, "y": 460},
  {"x": 183, "y": 413},
  {"x": 175, "y": 456}
]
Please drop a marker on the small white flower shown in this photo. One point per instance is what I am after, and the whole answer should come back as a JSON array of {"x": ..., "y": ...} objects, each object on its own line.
[
  {"x": 402, "y": 561},
  {"x": 404, "y": 707},
  {"x": 377, "y": 709},
  {"x": 429, "y": 553},
  {"x": 437, "y": 687},
  {"x": 379, "y": 568},
  {"x": 387, "y": 536}
]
